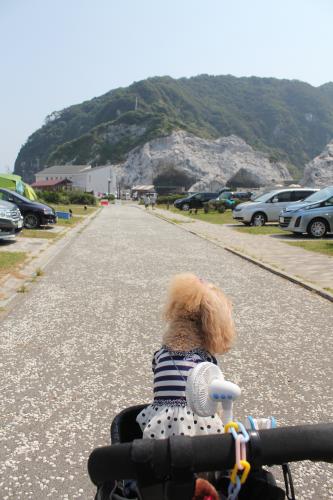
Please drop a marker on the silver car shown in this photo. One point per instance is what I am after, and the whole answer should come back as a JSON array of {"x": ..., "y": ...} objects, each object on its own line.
[
  {"x": 267, "y": 207},
  {"x": 11, "y": 220},
  {"x": 314, "y": 216}
]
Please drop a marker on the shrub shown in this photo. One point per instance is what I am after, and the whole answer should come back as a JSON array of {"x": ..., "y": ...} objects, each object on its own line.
[
  {"x": 238, "y": 201},
  {"x": 49, "y": 196},
  {"x": 170, "y": 198},
  {"x": 216, "y": 204},
  {"x": 212, "y": 205},
  {"x": 81, "y": 198},
  {"x": 67, "y": 197},
  {"x": 109, "y": 197},
  {"x": 56, "y": 197},
  {"x": 64, "y": 199}
]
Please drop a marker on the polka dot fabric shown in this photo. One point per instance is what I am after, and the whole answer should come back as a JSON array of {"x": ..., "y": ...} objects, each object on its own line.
[{"x": 159, "y": 422}]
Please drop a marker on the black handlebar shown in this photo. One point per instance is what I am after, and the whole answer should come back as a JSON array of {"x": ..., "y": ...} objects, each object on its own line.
[{"x": 212, "y": 452}]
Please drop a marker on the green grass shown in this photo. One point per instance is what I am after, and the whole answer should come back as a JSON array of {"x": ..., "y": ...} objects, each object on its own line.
[
  {"x": 212, "y": 217},
  {"x": 78, "y": 212},
  {"x": 9, "y": 261},
  {"x": 38, "y": 233},
  {"x": 260, "y": 230},
  {"x": 76, "y": 209},
  {"x": 321, "y": 246},
  {"x": 69, "y": 222}
]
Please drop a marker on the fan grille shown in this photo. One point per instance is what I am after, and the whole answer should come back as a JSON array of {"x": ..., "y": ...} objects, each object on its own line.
[{"x": 197, "y": 388}]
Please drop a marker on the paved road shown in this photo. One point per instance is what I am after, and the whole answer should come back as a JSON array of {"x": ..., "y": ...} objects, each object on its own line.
[{"x": 78, "y": 349}]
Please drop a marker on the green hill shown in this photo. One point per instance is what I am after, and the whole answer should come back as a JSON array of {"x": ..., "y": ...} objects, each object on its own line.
[{"x": 289, "y": 119}]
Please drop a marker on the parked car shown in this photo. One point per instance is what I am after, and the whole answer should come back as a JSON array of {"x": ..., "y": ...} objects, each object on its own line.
[
  {"x": 267, "y": 207},
  {"x": 11, "y": 220},
  {"x": 35, "y": 214},
  {"x": 243, "y": 195},
  {"x": 314, "y": 216},
  {"x": 227, "y": 198},
  {"x": 224, "y": 190},
  {"x": 194, "y": 201}
]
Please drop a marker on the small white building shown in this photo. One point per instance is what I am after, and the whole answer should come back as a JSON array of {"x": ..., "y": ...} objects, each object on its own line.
[{"x": 99, "y": 180}]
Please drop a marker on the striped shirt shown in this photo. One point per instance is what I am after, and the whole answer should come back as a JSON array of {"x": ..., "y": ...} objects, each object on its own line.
[{"x": 171, "y": 369}]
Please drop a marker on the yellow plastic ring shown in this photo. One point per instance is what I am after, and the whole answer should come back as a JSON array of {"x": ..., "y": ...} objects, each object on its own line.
[
  {"x": 246, "y": 471},
  {"x": 233, "y": 474},
  {"x": 229, "y": 425}
]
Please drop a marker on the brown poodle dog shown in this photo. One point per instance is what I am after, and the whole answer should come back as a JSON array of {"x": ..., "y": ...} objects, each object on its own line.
[
  {"x": 199, "y": 325},
  {"x": 199, "y": 315}
]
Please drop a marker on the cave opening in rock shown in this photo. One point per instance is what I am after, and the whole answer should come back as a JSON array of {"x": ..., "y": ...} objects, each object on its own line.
[
  {"x": 172, "y": 180},
  {"x": 243, "y": 178}
]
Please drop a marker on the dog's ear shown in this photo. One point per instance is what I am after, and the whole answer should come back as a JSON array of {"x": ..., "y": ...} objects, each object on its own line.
[{"x": 216, "y": 319}]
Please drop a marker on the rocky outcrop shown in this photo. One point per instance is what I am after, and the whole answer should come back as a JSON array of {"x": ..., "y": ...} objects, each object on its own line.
[
  {"x": 206, "y": 164},
  {"x": 319, "y": 171}
]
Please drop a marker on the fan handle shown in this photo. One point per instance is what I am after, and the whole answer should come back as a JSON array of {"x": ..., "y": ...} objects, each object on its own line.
[{"x": 225, "y": 392}]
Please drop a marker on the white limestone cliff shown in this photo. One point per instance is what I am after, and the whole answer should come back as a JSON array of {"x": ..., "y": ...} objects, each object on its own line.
[
  {"x": 207, "y": 163},
  {"x": 319, "y": 171}
]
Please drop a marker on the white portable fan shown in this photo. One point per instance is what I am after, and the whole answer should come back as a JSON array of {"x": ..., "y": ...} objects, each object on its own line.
[{"x": 206, "y": 388}]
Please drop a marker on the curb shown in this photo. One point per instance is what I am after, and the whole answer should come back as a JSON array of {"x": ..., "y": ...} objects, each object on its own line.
[
  {"x": 267, "y": 267},
  {"x": 42, "y": 261}
]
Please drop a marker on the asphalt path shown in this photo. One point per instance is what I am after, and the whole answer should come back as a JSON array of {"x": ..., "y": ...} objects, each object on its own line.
[{"x": 77, "y": 349}]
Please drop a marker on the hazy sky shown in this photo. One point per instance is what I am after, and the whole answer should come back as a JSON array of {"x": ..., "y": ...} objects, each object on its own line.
[{"x": 54, "y": 53}]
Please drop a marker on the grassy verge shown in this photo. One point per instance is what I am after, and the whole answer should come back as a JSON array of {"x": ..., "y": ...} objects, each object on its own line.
[
  {"x": 76, "y": 209},
  {"x": 260, "y": 230},
  {"x": 322, "y": 246},
  {"x": 212, "y": 217},
  {"x": 9, "y": 261},
  {"x": 69, "y": 222},
  {"x": 38, "y": 233},
  {"x": 170, "y": 209},
  {"x": 78, "y": 212}
]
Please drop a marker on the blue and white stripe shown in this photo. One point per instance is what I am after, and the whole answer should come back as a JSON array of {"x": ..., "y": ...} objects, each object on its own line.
[{"x": 171, "y": 369}]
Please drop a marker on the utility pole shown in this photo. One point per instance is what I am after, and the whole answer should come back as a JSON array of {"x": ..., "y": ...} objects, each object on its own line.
[{"x": 136, "y": 103}]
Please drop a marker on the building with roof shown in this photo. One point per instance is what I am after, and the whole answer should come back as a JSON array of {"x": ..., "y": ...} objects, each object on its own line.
[
  {"x": 53, "y": 185},
  {"x": 140, "y": 190},
  {"x": 99, "y": 180}
]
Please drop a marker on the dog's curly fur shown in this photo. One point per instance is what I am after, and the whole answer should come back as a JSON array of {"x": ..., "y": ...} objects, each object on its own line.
[{"x": 199, "y": 314}]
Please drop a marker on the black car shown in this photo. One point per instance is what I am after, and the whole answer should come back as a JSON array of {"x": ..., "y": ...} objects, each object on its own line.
[
  {"x": 35, "y": 214},
  {"x": 194, "y": 201}
]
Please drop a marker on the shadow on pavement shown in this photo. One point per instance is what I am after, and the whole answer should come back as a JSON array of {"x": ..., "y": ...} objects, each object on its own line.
[{"x": 7, "y": 243}]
